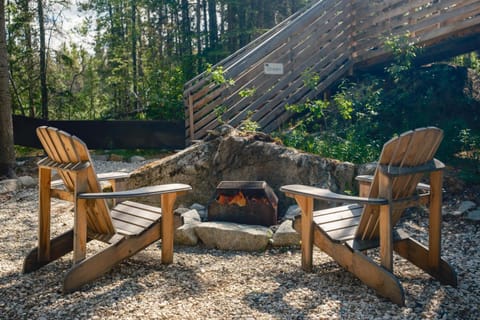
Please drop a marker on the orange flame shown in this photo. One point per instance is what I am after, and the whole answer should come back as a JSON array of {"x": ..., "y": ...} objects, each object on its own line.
[
  {"x": 238, "y": 199},
  {"x": 223, "y": 199}
]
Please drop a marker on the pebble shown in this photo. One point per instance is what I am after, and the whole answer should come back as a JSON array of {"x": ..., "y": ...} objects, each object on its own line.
[
  {"x": 473, "y": 215},
  {"x": 464, "y": 207},
  {"x": 214, "y": 284}
]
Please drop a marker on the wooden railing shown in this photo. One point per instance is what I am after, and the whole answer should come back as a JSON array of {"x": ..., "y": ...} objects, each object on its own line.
[{"x": 328, "y": 40}]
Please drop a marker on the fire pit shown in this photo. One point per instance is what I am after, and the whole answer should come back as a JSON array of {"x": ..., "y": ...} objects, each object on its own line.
[{"x": 245, "y": 202}]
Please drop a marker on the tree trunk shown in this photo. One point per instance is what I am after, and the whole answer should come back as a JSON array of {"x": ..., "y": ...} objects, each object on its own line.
[
  {"x": 29, "y": 52},
  {"x": 268, "y": 16},
  {"x": 134, "y": 55},
  {"x": 243, "y": 25},
  {"x": 43, "y": 61},
  {"x": 213, "y": 26},
  {"x": 205, "y": 23},
  {"x": 198, "y": 24},
  {"x": 186, "y": 40},
  {"x": 233, "y": 27},
  {"x": 7, "y": 151}
]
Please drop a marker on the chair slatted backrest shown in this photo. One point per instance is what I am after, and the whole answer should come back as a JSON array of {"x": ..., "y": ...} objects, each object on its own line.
[
  {"x": 64, "y": 148},
  {"x": 411, "y": 149}
]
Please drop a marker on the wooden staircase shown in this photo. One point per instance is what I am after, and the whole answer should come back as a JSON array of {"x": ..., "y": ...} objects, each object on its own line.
[{"x": 328, "y": 39}]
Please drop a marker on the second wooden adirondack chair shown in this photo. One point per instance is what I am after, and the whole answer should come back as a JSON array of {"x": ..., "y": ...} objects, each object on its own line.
[
  {"x": 346, "y": 232},
  {"x": 129, "y": 227}
]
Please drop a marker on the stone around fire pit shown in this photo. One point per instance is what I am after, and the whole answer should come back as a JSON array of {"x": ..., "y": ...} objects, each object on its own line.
[{"x": 233, "y": 236}]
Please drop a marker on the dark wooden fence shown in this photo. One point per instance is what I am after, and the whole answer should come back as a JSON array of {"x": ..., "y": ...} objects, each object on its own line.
[
  {"x": 154, "y": 134},
  {"x": 329, "y": 39}
]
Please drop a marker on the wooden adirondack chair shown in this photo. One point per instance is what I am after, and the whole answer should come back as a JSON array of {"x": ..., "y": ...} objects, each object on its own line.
[
  {"x": 346, "y": 232},
  {"x": 129, "y": 227}
]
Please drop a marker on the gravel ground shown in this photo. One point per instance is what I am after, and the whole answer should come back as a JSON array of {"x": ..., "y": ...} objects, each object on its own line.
[{"x": 211, "y": 284}]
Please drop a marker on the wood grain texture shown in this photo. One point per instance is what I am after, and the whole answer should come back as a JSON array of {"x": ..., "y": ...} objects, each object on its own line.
[
  {"x": 343, "y": 231},
  {"x": 128, "y": 227}
]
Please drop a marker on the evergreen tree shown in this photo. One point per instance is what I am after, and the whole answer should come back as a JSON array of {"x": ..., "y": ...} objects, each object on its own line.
[{"x": 7, "y": 152}]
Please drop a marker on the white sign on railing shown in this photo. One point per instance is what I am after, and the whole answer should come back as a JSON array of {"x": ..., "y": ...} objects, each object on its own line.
[{"x": 273, "y": 68}]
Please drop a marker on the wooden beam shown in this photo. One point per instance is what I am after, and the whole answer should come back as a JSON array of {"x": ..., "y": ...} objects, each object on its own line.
[
  {"x": 96, "y": 265},
  {"x": 167, "y": 202},
  {"x": 435, "y": 219},
  {"x": 385, "y": 228},
  {"x": 306, "y": 205},
  {"x": 59, "y": 246},
  {"x": 80, "y": 225},
  {"x": 44, "y": 198}
]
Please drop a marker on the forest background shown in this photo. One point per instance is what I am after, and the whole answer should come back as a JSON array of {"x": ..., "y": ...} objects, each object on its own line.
[
  {"x": 126, "y": 59},
  {"x": 130, "y": 59}
]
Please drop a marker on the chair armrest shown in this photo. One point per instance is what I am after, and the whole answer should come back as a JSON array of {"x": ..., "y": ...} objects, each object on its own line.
[
  {"x": 367, "y": 179},
  {"x": 325, "y": 194},
  {"x": 113, "y": 175},
  {"x": 364, "y": 184},
  {"x": 116, "y": 175},
  {"x": 140, "y": 192}
]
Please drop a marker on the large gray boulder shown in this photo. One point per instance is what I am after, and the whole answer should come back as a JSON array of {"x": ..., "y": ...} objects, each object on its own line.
[
  {"x": 185, "y": 234},
  {"x": 286, "y": 235},
  {"x": 233, "y": 236},
  {"x": 231, "y": 155},
  {"x": 8, "y": 185}
]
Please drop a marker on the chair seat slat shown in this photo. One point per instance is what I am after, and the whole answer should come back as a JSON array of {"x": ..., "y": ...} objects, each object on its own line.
[
  {"x": 129, "y": 216},
  {"x": 127, "y": 228},
  {"x": 343, "y": 234},
  {"x": 142, "y": 211},
  {"x": 340, "y": 224},
  {"x": 342, "y": 212}
]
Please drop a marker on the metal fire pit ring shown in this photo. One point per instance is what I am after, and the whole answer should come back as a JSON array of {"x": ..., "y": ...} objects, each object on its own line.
[{"x": 245, "y": 202}]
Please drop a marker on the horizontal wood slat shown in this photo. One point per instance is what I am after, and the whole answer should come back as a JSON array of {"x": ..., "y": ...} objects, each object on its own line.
[
  {"x": 343, "y": 213},
  {"x": 129, "y": 216},
  {"x": 150, "y": 212},
  {"x": 330, "y": 38},
  {"x": 127, "y": 229},
  {"x": 132, "y": 218},
  {"x": 343, "y": 234}
]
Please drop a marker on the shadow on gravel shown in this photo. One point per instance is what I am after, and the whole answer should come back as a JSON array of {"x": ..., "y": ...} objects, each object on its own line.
[{"x": 39, "y": 294}]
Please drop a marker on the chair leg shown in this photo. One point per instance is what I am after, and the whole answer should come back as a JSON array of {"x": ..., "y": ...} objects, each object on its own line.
[
  {"x": 306, "y": 231},
  {"x": 363, "y": 267},
  {"x": 377, "y": 277},
  {"x": 44, "y": 198},
  {"x": 418, "y": 254},
  {"x": 168, "y": 225},
  {"x": 97, "y": 265},
  {"x": 59, "y": 247}
]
